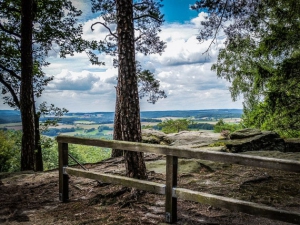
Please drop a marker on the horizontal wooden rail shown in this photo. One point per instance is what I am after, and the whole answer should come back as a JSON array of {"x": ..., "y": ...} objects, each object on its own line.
[
  {"x": 253, "y": 161},
  {"x": 115, "y": 179},
  {"x": 171, "y": 190},
  {"x": 237, "y": 205}
]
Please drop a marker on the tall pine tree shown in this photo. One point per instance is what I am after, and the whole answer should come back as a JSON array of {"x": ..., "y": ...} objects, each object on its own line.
[
  {"x": 127, "y": 102},
  {"x": 144, "y": 24},
  {"x": 26, "y": 95}
]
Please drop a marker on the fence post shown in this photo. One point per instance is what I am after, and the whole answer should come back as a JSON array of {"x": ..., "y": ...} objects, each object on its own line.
[
  {"x": 63, "y": 178},
  {"x": 171, "y": 181}
]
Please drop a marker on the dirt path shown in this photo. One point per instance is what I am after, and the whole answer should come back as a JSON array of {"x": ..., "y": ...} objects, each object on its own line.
[{"x": 32, "y": 198}]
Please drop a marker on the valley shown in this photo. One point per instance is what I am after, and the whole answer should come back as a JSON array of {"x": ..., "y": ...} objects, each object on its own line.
[{"x": 100, "y": 124}]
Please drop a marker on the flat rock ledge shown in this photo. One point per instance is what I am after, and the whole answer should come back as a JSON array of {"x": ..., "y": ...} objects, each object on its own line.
[
  {"x": 188, "y": 139},
  {"x": 263, "y": 140},
  {"x": 240, "y": 141},
  {"x": 256, "y": 140}
]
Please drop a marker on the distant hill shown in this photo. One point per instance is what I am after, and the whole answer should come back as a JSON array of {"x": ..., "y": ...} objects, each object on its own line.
[
  {"x": 13, "y": 116},
  {"x": 10, "y": 116},
  {"x": 212, "y": 113}
]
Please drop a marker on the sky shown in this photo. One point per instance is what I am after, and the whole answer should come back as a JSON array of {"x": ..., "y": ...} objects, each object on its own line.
[{"x": 183, "y": 70}]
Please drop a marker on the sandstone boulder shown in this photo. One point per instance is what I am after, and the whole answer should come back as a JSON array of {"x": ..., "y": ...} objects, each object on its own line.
[
  {"x": 254, "y": 140},
  {"x": 245, "y": 140},
  {"x": 155, "y": 137},
  {"x": 188, "y": 139},
  {"x": 292, "y": 144},
  {"x": 245, "y": 133}
]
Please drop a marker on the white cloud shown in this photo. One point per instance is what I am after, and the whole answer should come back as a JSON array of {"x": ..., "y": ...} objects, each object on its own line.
[
  {"x": 183, "y": 70},
  {"x": 67, "y": 80},
  {"x": 197, "y": 20}
]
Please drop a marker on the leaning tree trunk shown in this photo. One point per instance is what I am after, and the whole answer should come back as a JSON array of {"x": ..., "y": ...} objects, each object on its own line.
[
  {"x": 26, "y": 99},
  {"x": 127, "y": 114}
]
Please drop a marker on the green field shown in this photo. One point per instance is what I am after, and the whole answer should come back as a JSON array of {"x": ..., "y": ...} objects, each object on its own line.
[
  {"x": 10, "y": 124},
  {"x": 83, "y": 122},
  {"x": 87, "y": 127}
]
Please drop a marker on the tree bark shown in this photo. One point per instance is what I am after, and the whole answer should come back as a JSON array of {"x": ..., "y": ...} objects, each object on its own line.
[
  {"x": 127, "y": 114},
  {"x": 38, "y": 148},
  {"x": 26, "y": 89},
  {"x": 117, "y": 131}
]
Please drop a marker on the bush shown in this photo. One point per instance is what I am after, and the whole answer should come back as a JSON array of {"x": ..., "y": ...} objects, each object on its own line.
[
  {"x": 201, "y": 126},
  {"x": 222, "y": 126},
  {"x": 82, "y": 153},
  {"x": 174, "y": 126},
  {"x": 10, "y": 150}
]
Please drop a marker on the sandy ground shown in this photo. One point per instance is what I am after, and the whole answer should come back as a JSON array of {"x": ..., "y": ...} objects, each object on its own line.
[{"x": 32, "y": 198}]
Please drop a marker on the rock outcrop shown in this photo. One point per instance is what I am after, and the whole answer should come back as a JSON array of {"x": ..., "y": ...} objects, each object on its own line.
[
  {"x": 189, "y": 139},
  {"x": 256, "y": 140},
  {"x": 292, "y": 145},
  {"x": 245, "y": 140},
  {"x": 245, "y": 133}
]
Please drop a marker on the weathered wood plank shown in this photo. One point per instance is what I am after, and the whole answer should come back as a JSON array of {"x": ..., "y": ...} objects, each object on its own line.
[
  {"x": 115, "y": 179},
  {"x": 253, "y": 161},
  {"x": 63, "y": 178},
  {"x": 171, "y": 182},
  {"x": 238, "y": 205}
]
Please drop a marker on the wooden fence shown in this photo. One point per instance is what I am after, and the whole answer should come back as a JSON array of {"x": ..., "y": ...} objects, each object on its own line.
[{"x": 170, "y": 189}]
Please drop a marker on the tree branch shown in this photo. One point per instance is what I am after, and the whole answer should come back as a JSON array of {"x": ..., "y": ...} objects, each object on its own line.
[
  {"x": 11, "y": 90},
  {"x": 8, "y": 31},
  {"x": 139, "y": 37},
  {"x": 10, "y": 9},
  {"x": 137, "y": 7},
  {"x": 103, "y": 24},
  {"x": 218, "y": 27},
  {"x": 140, "y": 3},
  {"x": 148, "y": 15},
  {"x": 11, "y": 72}
]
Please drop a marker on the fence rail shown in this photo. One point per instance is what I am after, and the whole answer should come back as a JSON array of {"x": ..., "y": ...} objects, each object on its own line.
[{"x": 169, "y": 189}]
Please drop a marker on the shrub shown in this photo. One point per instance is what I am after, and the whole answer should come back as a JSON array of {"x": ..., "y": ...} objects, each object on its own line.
[
  {"x": 174, "y": 126},
  {"x": 10, "y": 150},
  {"x": 222, "y": 126}
]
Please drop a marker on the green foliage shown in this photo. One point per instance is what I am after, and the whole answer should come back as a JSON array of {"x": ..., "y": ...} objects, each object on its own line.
[
  {"x": 10, "y": 151},
  {"x": 147, "y": 127},
  {"x": 216, "y": 144},
  {"x": 201, "y": 126},
  {"x": 222, "y": 126},
  {"x": 89, "y": 154},
  {"x": 82, "y": 153},
  {"x": 149, "y": 86},
  {"x": 49, "y": 152},
  {"x": 53, "y": 132},
  {"x": 261, "y": 59},
  {"x": 147, "y": 20},
  {"x": 103, "y": 128},
  {"x": 55, "y": 25},
  {"x": 174, "y": 126}
]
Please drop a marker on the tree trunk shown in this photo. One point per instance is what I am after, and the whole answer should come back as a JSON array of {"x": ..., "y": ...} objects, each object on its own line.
[
  {"x": 127, "y": 114},
  {"x": 38, "y": 153},
  {"x": 117, "y": 131},
  {"x": 26, "y": 95}
]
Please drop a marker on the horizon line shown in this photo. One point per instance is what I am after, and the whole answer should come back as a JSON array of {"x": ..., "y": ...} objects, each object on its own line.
[{"x": 168, "y": 110}]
